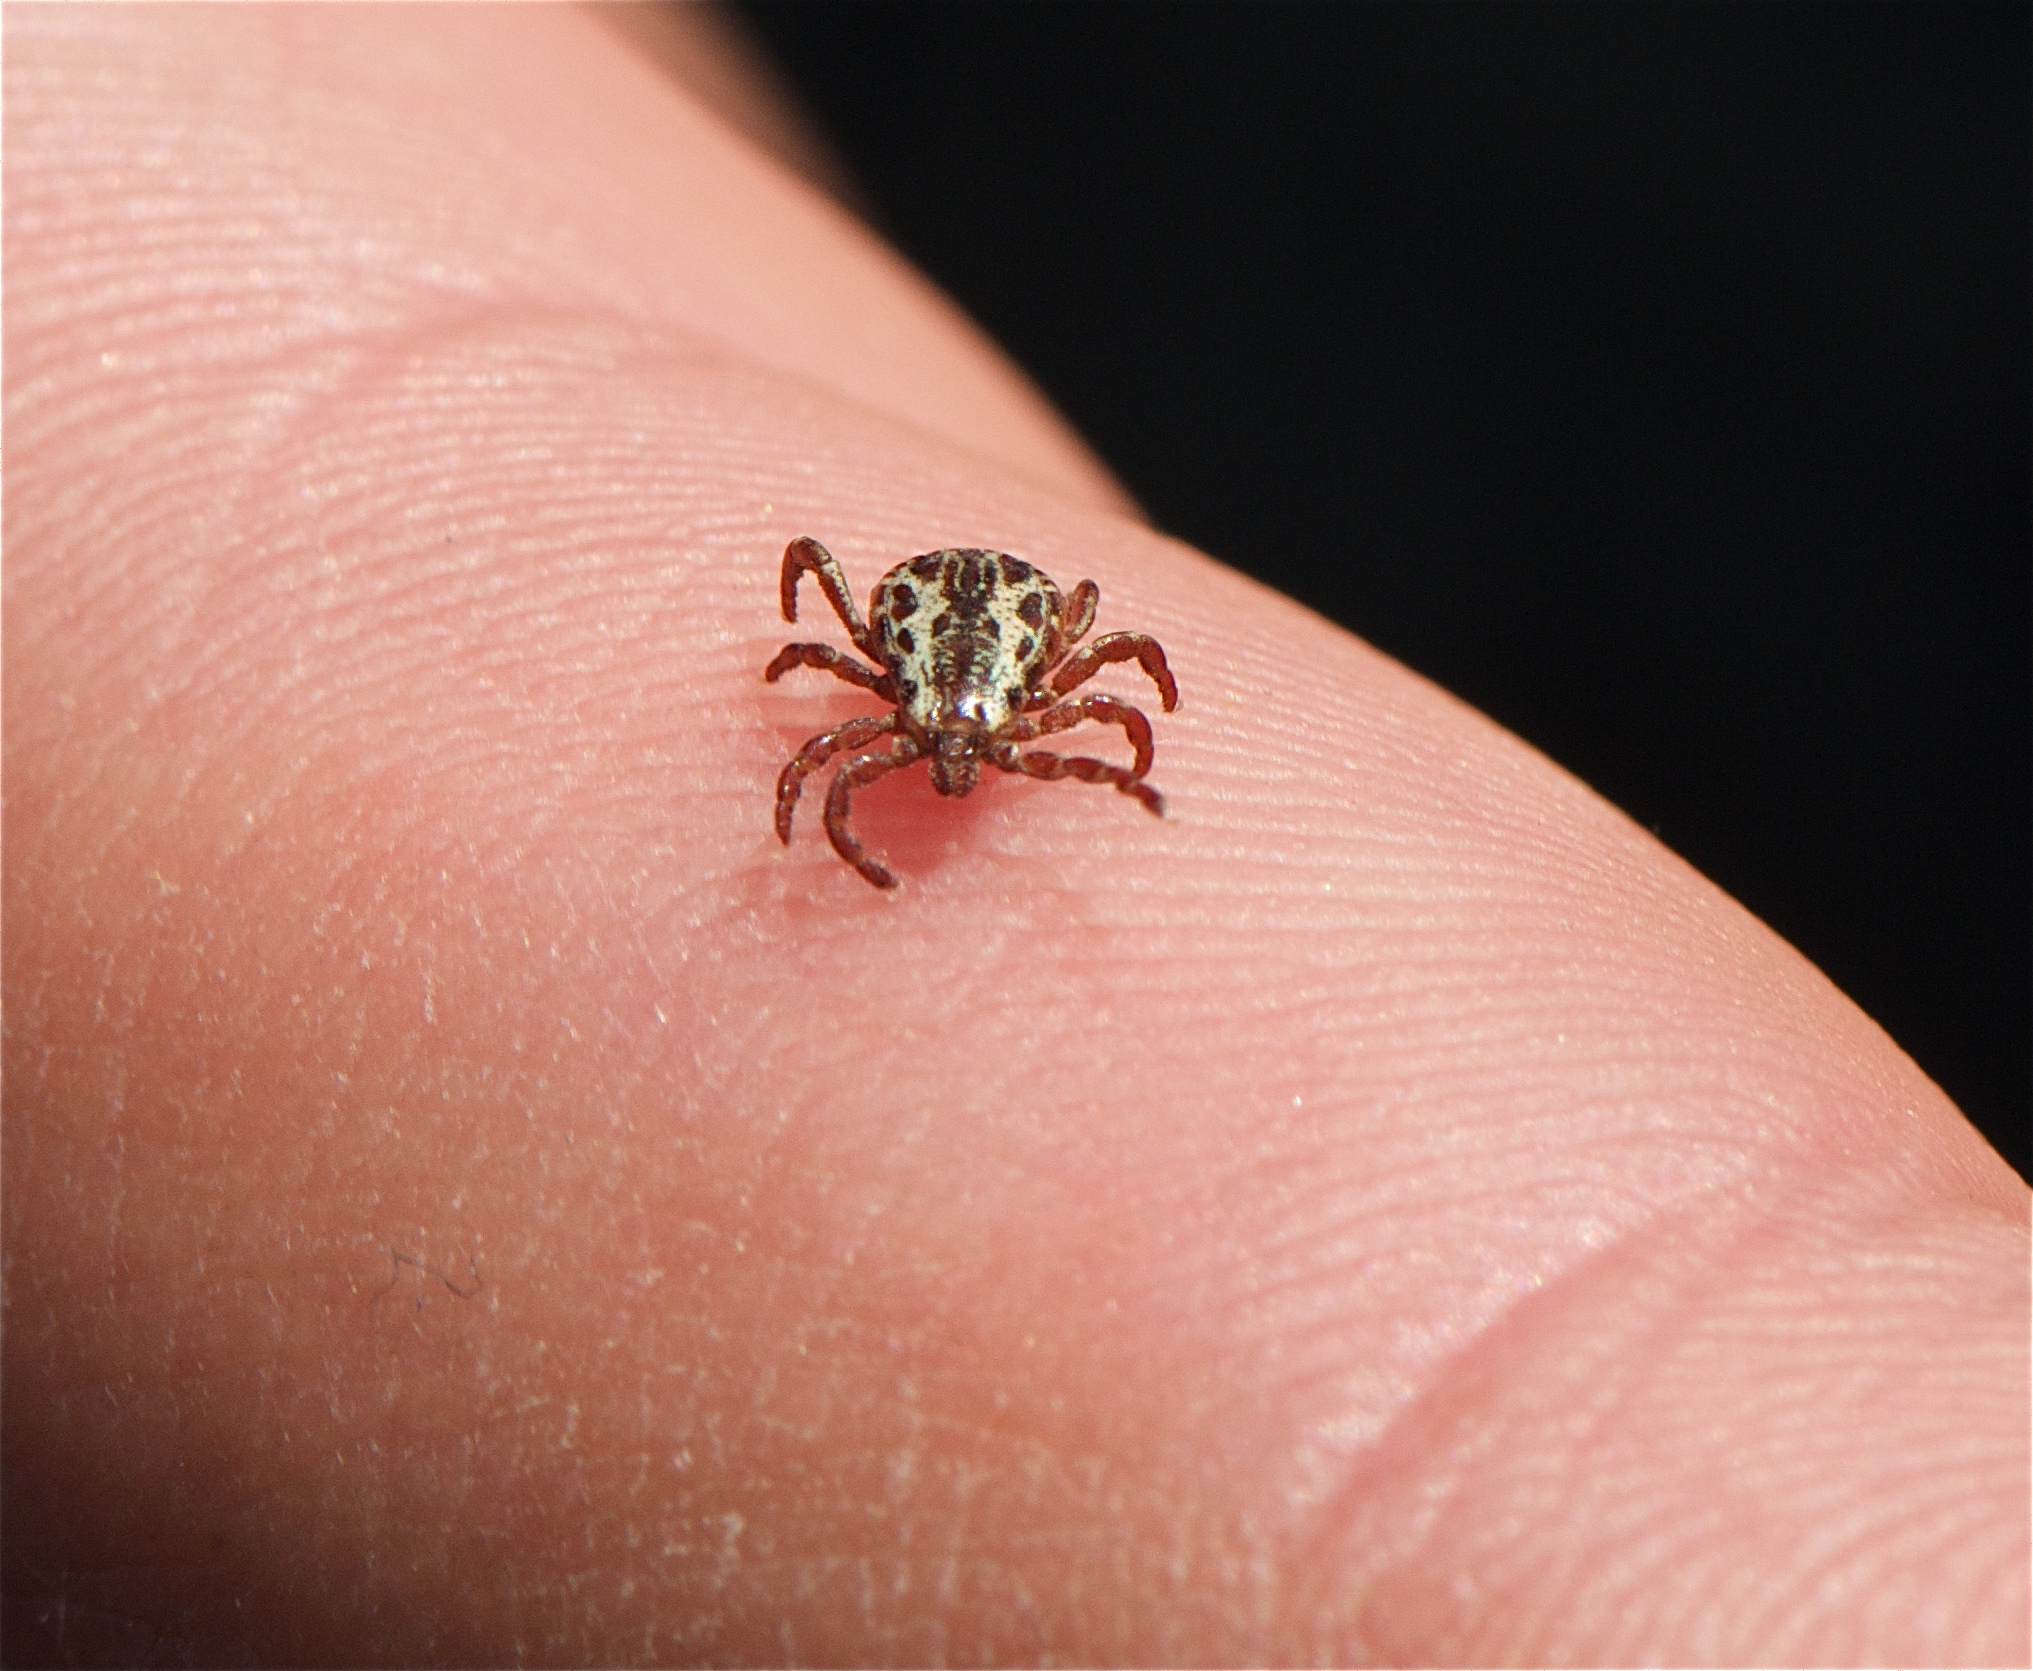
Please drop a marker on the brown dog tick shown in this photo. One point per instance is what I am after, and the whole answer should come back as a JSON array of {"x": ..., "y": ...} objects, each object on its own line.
[{"x": 975, "y": 651}]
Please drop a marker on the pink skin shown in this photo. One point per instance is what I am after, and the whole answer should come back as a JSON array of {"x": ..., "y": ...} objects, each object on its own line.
[{"x": 471, "y": 1195}]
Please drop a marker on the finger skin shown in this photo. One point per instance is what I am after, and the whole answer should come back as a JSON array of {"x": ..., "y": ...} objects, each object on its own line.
[{"x": 472, "y": 1195}]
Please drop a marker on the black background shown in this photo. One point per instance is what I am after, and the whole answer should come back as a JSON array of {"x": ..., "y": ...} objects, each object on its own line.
[{"x": 1656, "y": 377}]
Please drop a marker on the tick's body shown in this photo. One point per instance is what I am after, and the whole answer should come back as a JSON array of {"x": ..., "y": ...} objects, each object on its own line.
[{"x": 975, "y": 649}]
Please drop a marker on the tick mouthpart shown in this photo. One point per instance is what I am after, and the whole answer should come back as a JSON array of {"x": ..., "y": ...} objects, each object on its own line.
[{"x": 955, "y": 766}]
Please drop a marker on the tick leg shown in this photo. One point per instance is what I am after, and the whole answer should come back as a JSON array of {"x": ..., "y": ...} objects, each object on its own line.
[
  {"x": 1139, "y": 647},
  {"x": 1073, "y": 627},
  {"x": 815, "y": 754},
  {"x": 829, "y": 660},
  {"x": 802, "y": 554},
  {"x": 862, "y": 769},
  {"x": 1080, "y": 612},
  {"x": 1040, "y": 763},
  {"x": 1106, "y": 709}
]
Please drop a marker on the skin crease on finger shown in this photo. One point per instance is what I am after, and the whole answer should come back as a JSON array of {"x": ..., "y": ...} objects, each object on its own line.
[{"x": 471, "y": 1195}]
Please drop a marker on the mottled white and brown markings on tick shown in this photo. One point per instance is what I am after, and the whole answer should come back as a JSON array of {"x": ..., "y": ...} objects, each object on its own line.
[
  {"x": 964, "y": 632},
  {"x": 976, "y": 650}
]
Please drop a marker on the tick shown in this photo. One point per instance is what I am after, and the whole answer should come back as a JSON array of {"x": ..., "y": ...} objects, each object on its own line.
[{"x": 975, "y": 652}]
